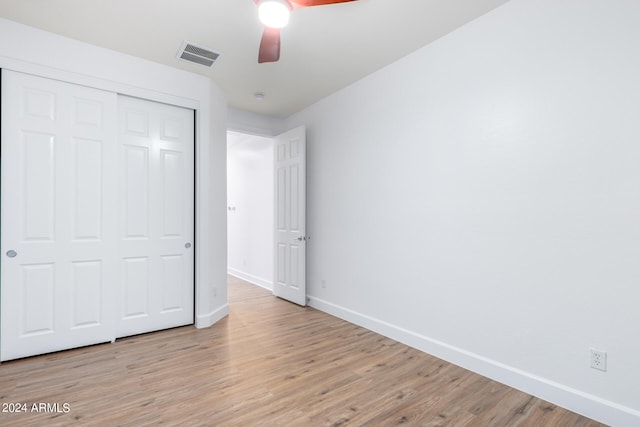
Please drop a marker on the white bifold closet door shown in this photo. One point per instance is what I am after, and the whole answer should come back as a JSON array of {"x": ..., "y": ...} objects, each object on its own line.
[
  {"x": 157, "y": 216},
  {"x": 90, "y": 217}
]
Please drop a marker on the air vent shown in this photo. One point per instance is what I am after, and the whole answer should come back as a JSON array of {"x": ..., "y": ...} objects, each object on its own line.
[{"x": 198, "y": 54}]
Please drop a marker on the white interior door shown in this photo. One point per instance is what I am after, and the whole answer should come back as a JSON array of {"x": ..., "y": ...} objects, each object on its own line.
[
  {"x": 290, "y": 226},
  {"x": 157, "y": 216},
  {"x": 58, "y": 236}
]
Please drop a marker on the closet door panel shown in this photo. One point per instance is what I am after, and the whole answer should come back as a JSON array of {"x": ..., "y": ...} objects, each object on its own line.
[
  {"x": 157, "y": 149},
  {"x": 59, "y": 187}
]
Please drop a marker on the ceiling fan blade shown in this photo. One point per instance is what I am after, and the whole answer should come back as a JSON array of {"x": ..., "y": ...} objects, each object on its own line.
[
  {"x": 269, "y": 45},
  {"x": 307, "y": 3}
]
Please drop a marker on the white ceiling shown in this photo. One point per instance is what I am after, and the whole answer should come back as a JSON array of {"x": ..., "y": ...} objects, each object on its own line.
[{"x": 324, "y": 48}]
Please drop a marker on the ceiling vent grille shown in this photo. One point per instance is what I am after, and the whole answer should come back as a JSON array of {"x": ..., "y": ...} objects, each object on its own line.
[{"x": 198, "y": 54}]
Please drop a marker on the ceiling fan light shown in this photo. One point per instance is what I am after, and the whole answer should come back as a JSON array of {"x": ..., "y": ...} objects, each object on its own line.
[{"x": 274, "y": 13}]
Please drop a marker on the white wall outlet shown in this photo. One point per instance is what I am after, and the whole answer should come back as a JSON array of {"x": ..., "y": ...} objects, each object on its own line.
[{"x": 598, "y": 359}]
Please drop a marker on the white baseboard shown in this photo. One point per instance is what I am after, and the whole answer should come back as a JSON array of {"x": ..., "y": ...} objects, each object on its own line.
[
  {"x": 206, "y": 320},
  {"x": 577, "y": 401},
  {"x": 264, "y": 283}
]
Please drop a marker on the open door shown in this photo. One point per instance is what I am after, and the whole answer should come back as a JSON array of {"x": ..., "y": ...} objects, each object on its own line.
[{"x": 290, "y": 197}]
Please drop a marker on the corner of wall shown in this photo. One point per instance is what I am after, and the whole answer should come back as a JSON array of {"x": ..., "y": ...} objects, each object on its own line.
[
  {"x": 259, "y": 281},
  {"x": 253, "y": 123},
  {"x": 208, "y": 319}
]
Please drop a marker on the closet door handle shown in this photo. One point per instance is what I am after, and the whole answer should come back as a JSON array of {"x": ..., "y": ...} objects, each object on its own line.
[{"x": 11, "y": 253}]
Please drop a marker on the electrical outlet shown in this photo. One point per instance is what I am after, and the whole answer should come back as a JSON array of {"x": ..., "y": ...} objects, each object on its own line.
[{"x": 598, "y": 359}]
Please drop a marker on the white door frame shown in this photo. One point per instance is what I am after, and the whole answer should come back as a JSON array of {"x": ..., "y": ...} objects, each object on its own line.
[{"x": 293, "y": 148}]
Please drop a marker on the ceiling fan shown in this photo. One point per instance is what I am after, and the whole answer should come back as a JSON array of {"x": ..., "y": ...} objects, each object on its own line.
[{"x": 274, "y": 14}]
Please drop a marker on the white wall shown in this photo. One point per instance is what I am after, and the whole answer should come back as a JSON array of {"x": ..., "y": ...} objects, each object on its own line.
[
  {"x": 250, "y": 199},
  {"x": 480, "y": 200},
  {"x": 253, "y": 123},
  {"x": 29, "y": 50}
]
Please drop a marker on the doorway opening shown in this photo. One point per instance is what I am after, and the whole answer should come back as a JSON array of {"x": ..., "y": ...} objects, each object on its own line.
[{"x": 250, "y": 208}]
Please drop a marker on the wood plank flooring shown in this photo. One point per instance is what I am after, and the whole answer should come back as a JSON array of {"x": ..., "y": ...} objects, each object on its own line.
[{"x": 270, "y": 363}]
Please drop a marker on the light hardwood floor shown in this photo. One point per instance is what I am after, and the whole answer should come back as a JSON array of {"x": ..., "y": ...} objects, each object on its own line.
[{"x": 270, "y": 363}]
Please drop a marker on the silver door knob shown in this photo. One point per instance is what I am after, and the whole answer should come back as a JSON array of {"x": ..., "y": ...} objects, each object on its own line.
[
  {"x": 187, "y": 245},
  {"x": 301, "y": 238},
  {"x": 11, "y": 253}
]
